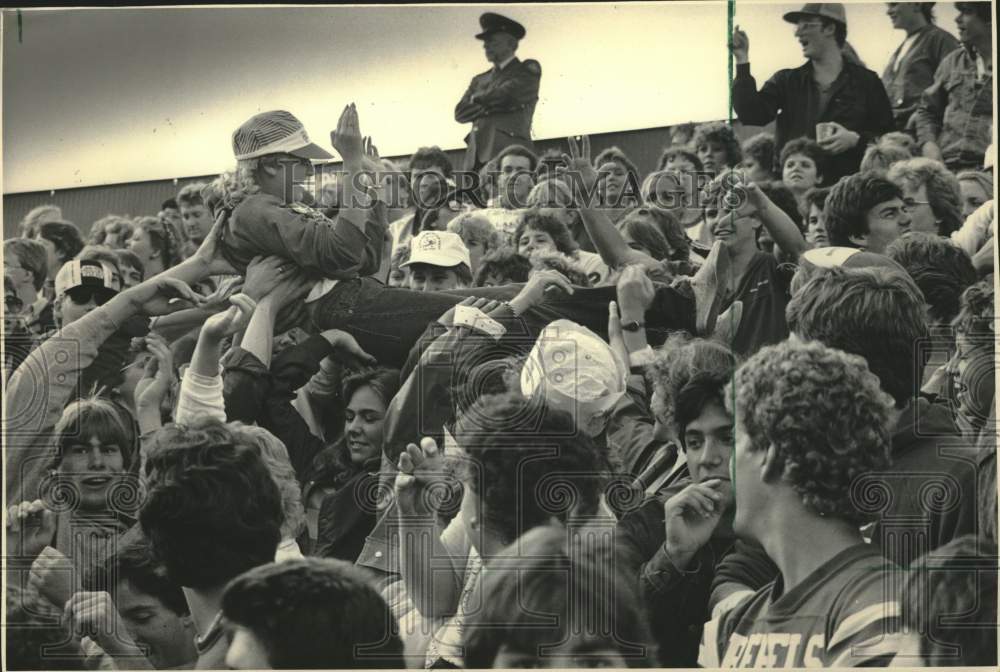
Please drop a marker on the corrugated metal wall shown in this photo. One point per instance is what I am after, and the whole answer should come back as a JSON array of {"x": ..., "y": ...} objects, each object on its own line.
[{"x": 85, "y": 205}]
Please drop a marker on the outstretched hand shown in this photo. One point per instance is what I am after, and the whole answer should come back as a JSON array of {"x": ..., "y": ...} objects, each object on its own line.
[
  {"x": 347, "y": 351},
  {"x": 158, "y": 375},
  {"x": 540, "y": 286},
  {"x": 162, "y": 295},
  {"x": 232, "y": 320},
  {"x": 484, "y": 305},
  {"x": 422, "y": 483},
  {"x": 30, "y": 528},
  {"x": 635, "y": 291},
  {"x": 347, "y": 139},
  {"x": 578, "y": 162},
  {"x": 209, "y": 253}
]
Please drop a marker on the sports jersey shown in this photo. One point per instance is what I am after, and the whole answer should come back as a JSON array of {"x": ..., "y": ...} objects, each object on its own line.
[{"x": 833, "y": 618}]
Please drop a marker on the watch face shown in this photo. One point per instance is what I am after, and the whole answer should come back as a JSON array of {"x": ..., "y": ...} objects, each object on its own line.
[{"x": 632, "y": 326}]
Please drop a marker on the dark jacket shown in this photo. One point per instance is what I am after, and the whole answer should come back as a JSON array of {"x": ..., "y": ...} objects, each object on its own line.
[
  {"x": 956, "y": 111},
  {"x": 905, "y": 84},
  {"x": 331, "y": 248},
  {"x": 502, "y": 111},
  {"x": 255, "y": 394},
  {"x": 676, "y": 600},
  {"x": 858, "y": 102},
  {"x": 348, "y": 514},
  {"x": 927, "y": 497}
]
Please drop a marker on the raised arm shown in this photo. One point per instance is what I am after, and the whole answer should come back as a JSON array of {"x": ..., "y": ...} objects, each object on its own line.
[
  {"x": 432, "y": 575},
  {"x": 781, "y": 227},
  {"x": 40, "y": 388},
  {"x": 608, "y": 241},
  {"x": 753, "y": 107}
]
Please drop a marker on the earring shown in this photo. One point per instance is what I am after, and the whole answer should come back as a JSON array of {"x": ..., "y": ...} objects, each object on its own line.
[{"x": 474, "y": 523}]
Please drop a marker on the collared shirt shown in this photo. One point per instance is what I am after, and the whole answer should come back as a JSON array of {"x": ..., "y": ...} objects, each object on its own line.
[
  {"x": 904, "y": 49},
  {"x": 911, "y": 69},
  {"x": 503, "y": 64}
]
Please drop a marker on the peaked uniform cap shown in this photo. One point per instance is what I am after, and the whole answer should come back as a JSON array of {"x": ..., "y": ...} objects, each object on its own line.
[{"x": 497, "y": 23}]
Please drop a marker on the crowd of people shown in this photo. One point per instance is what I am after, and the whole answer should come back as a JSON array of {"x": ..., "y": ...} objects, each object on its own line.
[{"x": 551, "y": 412}]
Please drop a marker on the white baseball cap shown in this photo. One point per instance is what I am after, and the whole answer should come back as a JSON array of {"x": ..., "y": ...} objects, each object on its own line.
[
  {"x": 438, "y": 248},
  {"x": 574, "y": 369}
]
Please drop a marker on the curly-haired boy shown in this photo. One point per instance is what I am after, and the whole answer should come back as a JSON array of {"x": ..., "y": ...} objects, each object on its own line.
[{"x": 811, "y": 422}]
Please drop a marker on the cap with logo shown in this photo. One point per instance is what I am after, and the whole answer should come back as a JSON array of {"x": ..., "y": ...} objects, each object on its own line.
[
  {"x": 438, "y": 248},
  {"x": 827, "y": 10},
  {"x": 574, "y": 369},
  {"x": 275, "y": 132},
  {"x": 497, "y": 23},
  {"x": 99, "y": 275}
]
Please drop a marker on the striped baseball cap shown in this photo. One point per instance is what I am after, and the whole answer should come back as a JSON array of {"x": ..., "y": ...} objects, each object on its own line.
[{"x": 275, "y": 132}]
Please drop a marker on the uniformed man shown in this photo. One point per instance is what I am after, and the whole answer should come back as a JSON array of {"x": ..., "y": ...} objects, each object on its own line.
[{"x": 499, "y": 102}]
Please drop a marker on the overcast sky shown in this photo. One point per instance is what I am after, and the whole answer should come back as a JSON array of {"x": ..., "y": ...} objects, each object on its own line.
[{"x": 101, "y": 96}]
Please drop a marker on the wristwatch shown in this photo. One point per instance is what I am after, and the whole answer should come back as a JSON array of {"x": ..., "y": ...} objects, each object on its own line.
[{"x": 634, "y": 325}]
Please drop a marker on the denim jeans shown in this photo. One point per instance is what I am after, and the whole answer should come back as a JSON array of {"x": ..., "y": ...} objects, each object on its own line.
[{"x": 387, "y": 321}]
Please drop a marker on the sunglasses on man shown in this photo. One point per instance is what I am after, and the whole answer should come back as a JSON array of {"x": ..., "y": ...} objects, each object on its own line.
[{"x": 84, "y": 295}]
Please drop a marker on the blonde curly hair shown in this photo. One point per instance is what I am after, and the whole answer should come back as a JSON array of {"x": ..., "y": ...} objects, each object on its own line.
[{"x": 236, "y": 185}]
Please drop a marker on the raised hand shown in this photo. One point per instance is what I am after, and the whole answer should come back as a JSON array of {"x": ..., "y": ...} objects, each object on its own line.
[
  {"x": 30, "y": 528},
  {"x": 484, "y": 305},
  {"x": 232, "y": 320},
  {"x": 52, "y": 576},
  {"x": 264, "y": 274},
  {"x": 347, "y": 139},
  {"x": 94, "y": 615},
  {"x": 540, "y": 285},
  {"x": 347, "y": 350},
  {"x": 578, "y": 162},
  {"x": 635, "y": 292},
  {"x": 691, "y": 516},
  {"x": 422, "y": 483},
  {"x": 208, "y": 252},
  {"x": 616, "y": 339},
  {"x": 219, "y": 299},
  {"x": 158, "y": 376},
  {"x": 371, "y": 151},
  {"x": 740, "y": 46},
  {"x": 162, "y": 295}
]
